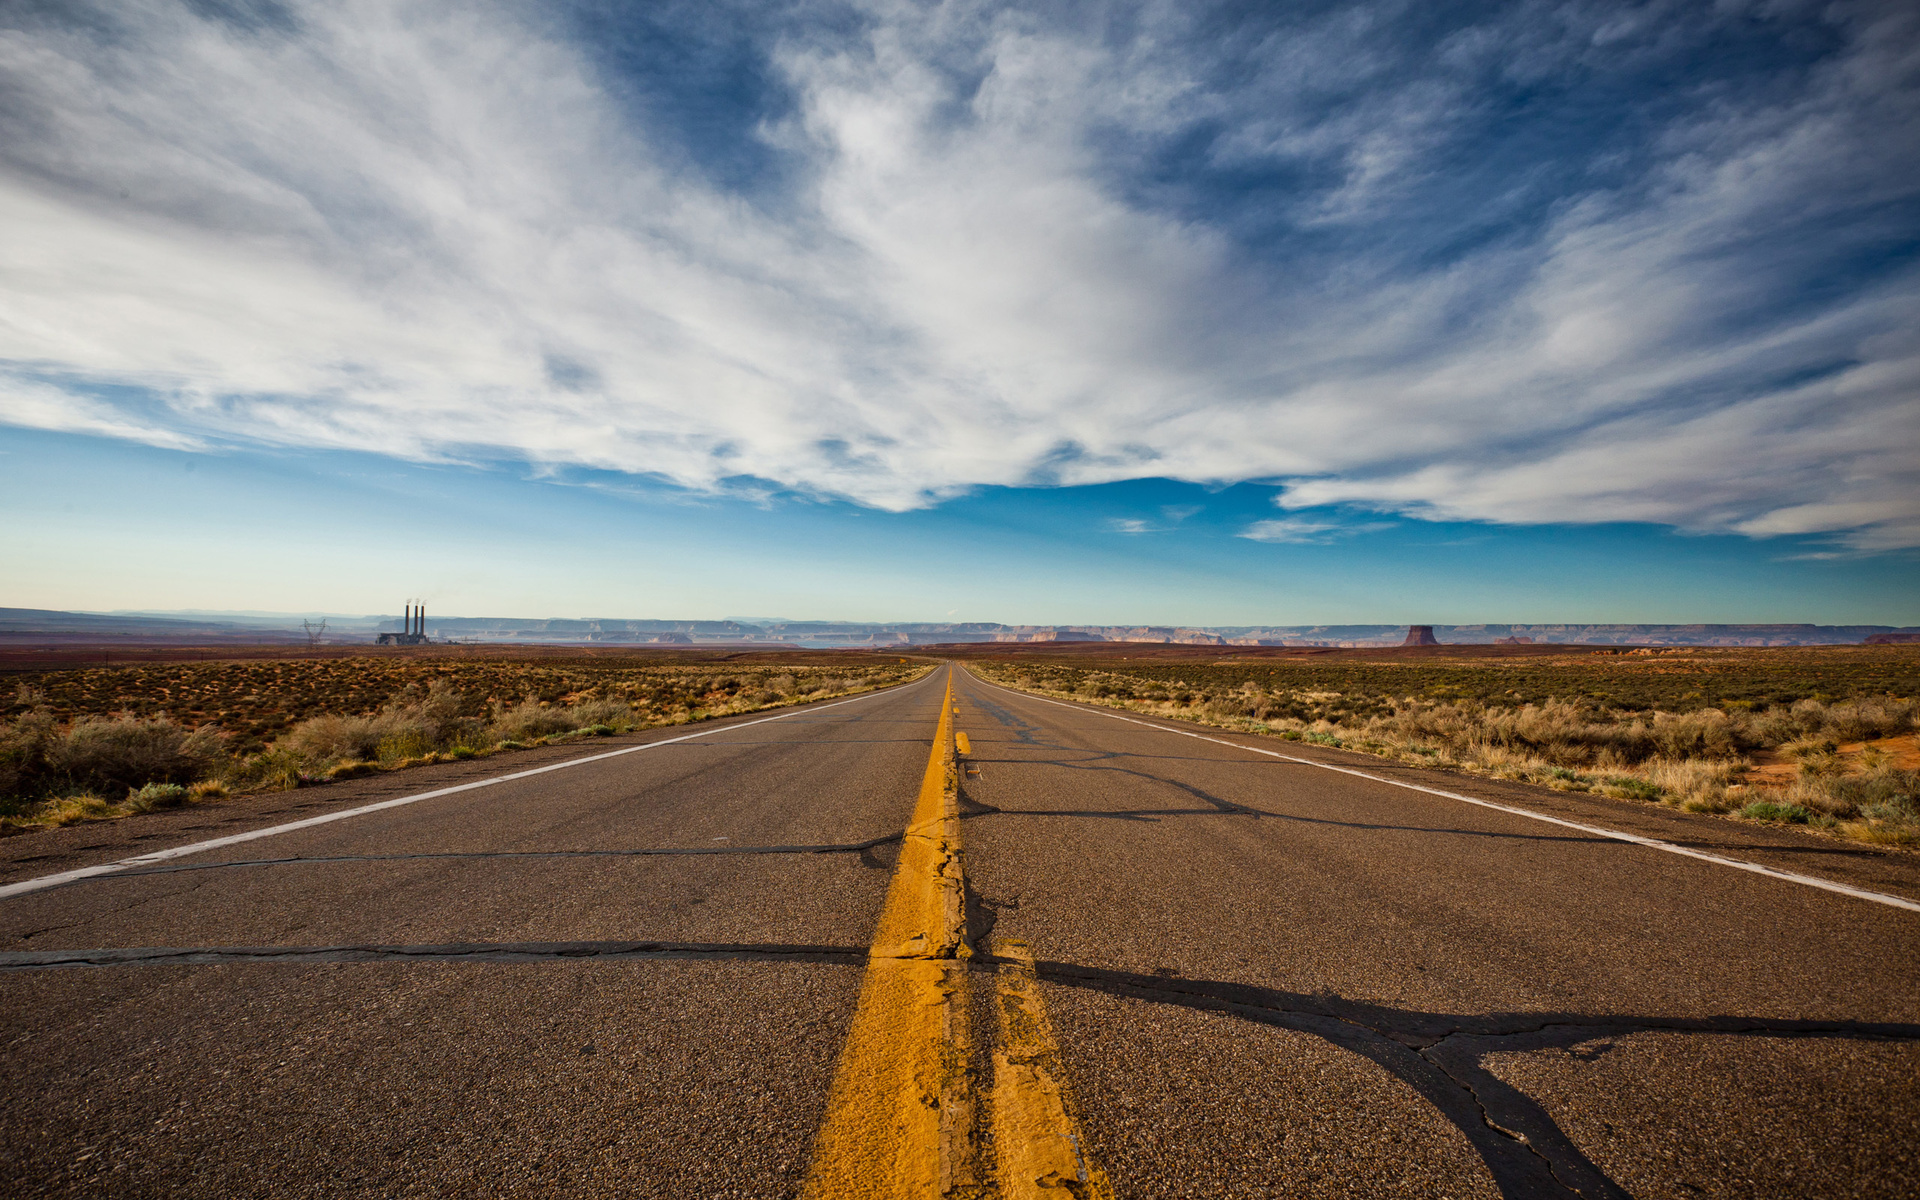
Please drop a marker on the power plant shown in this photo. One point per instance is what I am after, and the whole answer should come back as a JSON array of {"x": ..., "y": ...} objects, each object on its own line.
[{"x": 416, "y": 629}]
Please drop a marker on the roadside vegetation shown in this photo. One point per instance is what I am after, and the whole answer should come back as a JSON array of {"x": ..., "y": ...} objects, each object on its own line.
[
  {"x": 101, "y": 744},
  {"x": 1822, "y": 737}
]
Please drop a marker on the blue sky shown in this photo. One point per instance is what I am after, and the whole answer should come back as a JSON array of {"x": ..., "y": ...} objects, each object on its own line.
[{"x": 1210, "y": 314}]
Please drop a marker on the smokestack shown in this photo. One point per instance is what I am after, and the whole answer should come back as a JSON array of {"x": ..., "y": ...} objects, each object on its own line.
[
  {"x": 423, "y": 620},
  {"x": 408, "y": 627}
]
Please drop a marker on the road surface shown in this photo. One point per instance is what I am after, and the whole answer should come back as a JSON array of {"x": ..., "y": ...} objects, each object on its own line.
[{"x": 822, "y": 953}]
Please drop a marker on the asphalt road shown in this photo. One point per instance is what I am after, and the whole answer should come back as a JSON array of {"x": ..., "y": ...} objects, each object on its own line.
[{"x": 637, "y": 975}]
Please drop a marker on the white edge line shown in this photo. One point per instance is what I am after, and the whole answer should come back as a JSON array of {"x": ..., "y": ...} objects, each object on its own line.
[
  {"x": 46, "y": 881},
  {"x": 1650, "y": 843}
]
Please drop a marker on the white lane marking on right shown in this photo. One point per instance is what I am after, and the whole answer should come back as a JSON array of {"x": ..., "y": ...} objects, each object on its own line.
[
  {"x": 43, "y": 882},
  {"x": 1613, "y": 834}
]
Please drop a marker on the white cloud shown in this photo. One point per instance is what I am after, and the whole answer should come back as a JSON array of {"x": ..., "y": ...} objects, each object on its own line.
[
  {"x": 1295, "y": 530},
  {"x": 30, "y": 405},
  {"x": 433, "y": 231}
]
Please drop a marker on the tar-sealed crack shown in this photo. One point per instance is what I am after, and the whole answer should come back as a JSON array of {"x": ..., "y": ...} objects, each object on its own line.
[
  {"x": 1579, "y": 1177},
  {"x": 19, "y": 960},
  {"x": 861, "y": 848},
  {"x": 1439, "y": 1056}
]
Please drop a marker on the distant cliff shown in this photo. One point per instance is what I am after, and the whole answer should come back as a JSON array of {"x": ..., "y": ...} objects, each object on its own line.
[{"x": 18, "y": 623}]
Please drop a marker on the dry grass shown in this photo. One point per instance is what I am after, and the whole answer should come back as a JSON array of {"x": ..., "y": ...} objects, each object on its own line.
[
  {"x": 56, "y": 771},
  {"x": 1850, "y": 760},
  {"x": 256, "y": 702}
]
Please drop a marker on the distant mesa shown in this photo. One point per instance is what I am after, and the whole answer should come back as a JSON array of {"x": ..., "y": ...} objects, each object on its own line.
[{"x": 48, "y": 627}]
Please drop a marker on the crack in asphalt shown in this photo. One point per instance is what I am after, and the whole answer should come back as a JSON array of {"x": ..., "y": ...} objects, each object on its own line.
[
  {"x": 1525, "y": 1150},
  {"x": 112, "y": 912},
  {"x": 1569, "y": 1167},
  {"x": 39, "y": 960},
  {"x": 1098, "y": 760},
  {"x": 1439, "y": 1055},
  {"x": 971, "y": 809},
  {"x": 861, "y": 848}
]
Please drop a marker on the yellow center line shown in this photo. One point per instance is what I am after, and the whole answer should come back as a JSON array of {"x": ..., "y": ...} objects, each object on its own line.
[
  {"x": 901, "y": 1116},
  {"x": 1036, "y": 1133}
]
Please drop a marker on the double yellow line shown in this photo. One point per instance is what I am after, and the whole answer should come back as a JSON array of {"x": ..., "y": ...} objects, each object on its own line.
[{"x": 904, "y": 1117}]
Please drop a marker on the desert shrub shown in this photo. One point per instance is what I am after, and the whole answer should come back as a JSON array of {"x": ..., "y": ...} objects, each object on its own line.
[
  {"x": 70, "y": 810},
  {"x": 24, "y": 743},
  {"x": 1627, "y": 787},
  {"x": 1863, "y": 720},
  {"x": 1779, "y": 725},
  {"x": 1696, "y": 784},
  {"x": 123, "y": 753},
  {"x": 529, "y": 721},
  {"x": 415, "y": 724},
  {"x": 273, "y": 768},
  {"x": 1705, "y": 733},
  {"x": 1766, "y": 810},
  {"x": 615, "y": 714},
  {"x": 1886, "y": 788},
  {"x": 330, "y": 737},
  {"x": 403, "y": 744},
  {"x": 158, "y": 795},
  {"x": 433, "y": 714}
]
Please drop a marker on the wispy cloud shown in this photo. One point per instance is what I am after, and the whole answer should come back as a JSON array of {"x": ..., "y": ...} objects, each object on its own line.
[
  {"x": 1296, "y": 530},
  {"x": 986, "y": 246},
  {"x": 33, "y": 405}
]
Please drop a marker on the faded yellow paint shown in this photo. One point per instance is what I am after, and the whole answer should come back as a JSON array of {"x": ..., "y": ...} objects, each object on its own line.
[
  {"x": 900, "y": 1115},
  {"x": 1040, "y": 1149}
]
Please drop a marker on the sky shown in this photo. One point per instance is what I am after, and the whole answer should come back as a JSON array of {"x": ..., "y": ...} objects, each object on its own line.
[{"x": 1178, "y": 313}]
